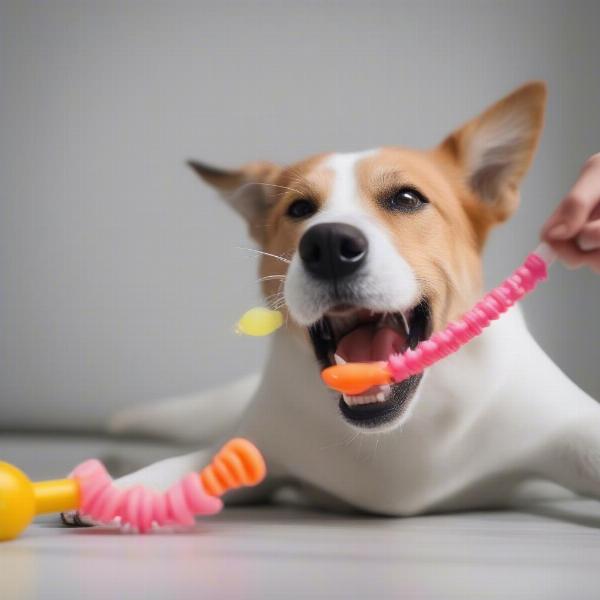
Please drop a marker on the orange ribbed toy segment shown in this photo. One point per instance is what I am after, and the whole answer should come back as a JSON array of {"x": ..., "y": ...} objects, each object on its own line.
[
  {"x": 239, "y": 463},
  {"x": 356, "y": 378}
]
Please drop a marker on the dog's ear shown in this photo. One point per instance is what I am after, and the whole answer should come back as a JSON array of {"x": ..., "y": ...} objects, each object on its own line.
[
  {"x": 247, "y": 190},
  {"x": 494, "y": 150}
]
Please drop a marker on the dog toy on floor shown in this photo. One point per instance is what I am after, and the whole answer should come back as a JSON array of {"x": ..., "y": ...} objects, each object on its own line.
[
  {"x": 355, "y": 378},
  {"x": 91, "y": 491}
]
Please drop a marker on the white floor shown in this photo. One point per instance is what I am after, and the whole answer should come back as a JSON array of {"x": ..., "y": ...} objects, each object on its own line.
[
  {"x": 286, "y": 553},
  {"x": 276, "y": 553}
]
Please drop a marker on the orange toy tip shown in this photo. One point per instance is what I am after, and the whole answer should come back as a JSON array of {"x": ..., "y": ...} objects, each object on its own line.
[
  {"x": 239, "y": 463},
  {"x": 355, "y": 378}
]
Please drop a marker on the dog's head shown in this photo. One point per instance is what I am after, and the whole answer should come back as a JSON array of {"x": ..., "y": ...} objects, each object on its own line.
[{"x": 383, "y": 247}]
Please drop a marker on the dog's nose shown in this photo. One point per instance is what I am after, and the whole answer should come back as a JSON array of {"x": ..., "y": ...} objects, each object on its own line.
[{"x": 333, "y": 250}]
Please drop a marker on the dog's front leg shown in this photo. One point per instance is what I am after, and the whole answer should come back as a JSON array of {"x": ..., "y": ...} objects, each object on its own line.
[
  {"x": 553, "y": 425},
  {"x": 571, "y": 457}
]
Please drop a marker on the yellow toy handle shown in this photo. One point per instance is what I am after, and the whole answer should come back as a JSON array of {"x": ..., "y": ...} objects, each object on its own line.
[{"x": 21, "y": 499}]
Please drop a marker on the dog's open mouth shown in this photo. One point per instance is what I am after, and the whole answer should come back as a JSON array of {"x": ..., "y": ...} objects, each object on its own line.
[{"x": 350, "y": 334}]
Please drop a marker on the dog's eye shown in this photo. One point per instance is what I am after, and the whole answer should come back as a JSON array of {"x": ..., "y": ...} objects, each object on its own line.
[
  {"x": 406, "y": 199},
  {"x": 301, "y": 209}
]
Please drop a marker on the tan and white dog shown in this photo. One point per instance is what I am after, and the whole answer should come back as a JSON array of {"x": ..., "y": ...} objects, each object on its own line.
[{"x": 369, "y": 253}]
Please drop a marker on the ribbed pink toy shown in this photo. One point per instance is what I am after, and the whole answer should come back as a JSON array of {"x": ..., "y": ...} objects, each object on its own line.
[
  {"x": 139, "y": 507},
  {"x": 355, "y": 378},
  {"x": 458, "y": 333}
]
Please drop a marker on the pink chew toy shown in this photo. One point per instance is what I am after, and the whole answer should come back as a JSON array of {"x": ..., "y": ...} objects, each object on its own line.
[
  {"x": 237, "y": 464},
  {"x": 91, "y": 491},
  {"x": 139, "y": 507},
  {"x": 356, "y": 378}
]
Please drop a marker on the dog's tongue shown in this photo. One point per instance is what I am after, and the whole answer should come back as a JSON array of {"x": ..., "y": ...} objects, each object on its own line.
[{"x": 366, "y": 343}]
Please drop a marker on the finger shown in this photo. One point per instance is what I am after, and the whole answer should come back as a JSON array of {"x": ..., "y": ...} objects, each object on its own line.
[
  {"x": 577, "y": 206},
  {"x": 589, "y": 237},
  {"x": 592, "y": 260},
  {"x": 569, "y": 254},
  {"x": 572, "y": 214},
  {"x": 573, "y": 258}
]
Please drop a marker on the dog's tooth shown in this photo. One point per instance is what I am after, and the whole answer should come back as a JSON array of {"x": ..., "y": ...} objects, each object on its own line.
[
  {"x": 381, "y": 396},
  {"x": 339, "y": 360},
  {"x": 352, "y": 400},
  {"x": 405, "y": 323}
]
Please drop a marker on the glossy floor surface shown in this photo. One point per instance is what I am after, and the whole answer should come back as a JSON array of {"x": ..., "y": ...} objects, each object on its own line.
[{"x": 552, "y": 551}]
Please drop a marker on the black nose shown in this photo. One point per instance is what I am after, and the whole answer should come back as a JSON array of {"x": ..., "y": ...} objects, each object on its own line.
[{"x": 333, "y": 250}]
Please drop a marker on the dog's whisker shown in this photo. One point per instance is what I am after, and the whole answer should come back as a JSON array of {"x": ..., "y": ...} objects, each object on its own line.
[
  {"x": 242, "y": 188},
  {"x": 279, "y": 305},
  {"x": 278, "y": 293},
  {"x": 271, "y": 277},
  {"x": 282, "y": 187},
  {"x": 299, "y": 177},
  {"x": 345, "y": 442},
  {"x": 360, "y": 447},
  {"x": 274, "y": 303},
  {"x": 375, "y": 448},
  {"x": 282, "y": 296},
  {"x": 276, "y": 256},
  {"x": 274, "y": 298}
]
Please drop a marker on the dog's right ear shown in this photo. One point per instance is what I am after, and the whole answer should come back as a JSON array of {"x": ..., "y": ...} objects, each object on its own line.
[{"x": 248, "y": 190}]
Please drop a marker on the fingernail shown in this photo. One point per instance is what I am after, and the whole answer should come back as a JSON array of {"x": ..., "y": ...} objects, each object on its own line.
[
  {"x": 558, "y": 232},
  {"x": 586, "y": 245}
]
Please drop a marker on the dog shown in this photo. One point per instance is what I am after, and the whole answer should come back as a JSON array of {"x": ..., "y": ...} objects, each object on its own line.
[{"x": 368, "y": 253}]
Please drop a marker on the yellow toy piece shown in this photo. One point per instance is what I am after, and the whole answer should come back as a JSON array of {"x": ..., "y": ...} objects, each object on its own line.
[
  {"x": 21, "y": 500},
  {"x": 260, "y": 321}
]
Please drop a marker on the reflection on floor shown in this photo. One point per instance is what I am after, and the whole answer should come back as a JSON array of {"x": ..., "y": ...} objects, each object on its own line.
[{"x": 272, "y": 552}]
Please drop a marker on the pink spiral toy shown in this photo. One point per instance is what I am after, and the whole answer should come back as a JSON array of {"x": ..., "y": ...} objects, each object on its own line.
[
  {"x": 356, "y": 378},
  {"x": 140, "y": 508}
]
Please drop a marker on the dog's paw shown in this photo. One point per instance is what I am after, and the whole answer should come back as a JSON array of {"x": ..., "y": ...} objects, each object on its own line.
[{"x": 73, "y": 518}]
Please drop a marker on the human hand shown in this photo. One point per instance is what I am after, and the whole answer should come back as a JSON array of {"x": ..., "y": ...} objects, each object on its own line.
[{"x": 573, "y": 230}]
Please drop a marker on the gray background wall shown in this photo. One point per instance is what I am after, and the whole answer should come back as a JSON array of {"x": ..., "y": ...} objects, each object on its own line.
[{"x": 120, "y": 279}]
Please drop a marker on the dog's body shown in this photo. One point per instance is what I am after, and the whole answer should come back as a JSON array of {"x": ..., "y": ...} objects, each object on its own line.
[
  {"x": 494, "y": 415},
  {"x": 397, "y": 232}
]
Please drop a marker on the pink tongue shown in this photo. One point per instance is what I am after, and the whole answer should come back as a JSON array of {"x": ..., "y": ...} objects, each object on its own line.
[{"x": 366, "y": 343}]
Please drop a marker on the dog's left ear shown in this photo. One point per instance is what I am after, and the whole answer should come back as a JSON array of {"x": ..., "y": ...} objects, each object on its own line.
[
  {"x": 495, "y": 149},
  {"x": 247, "y": 189}
]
